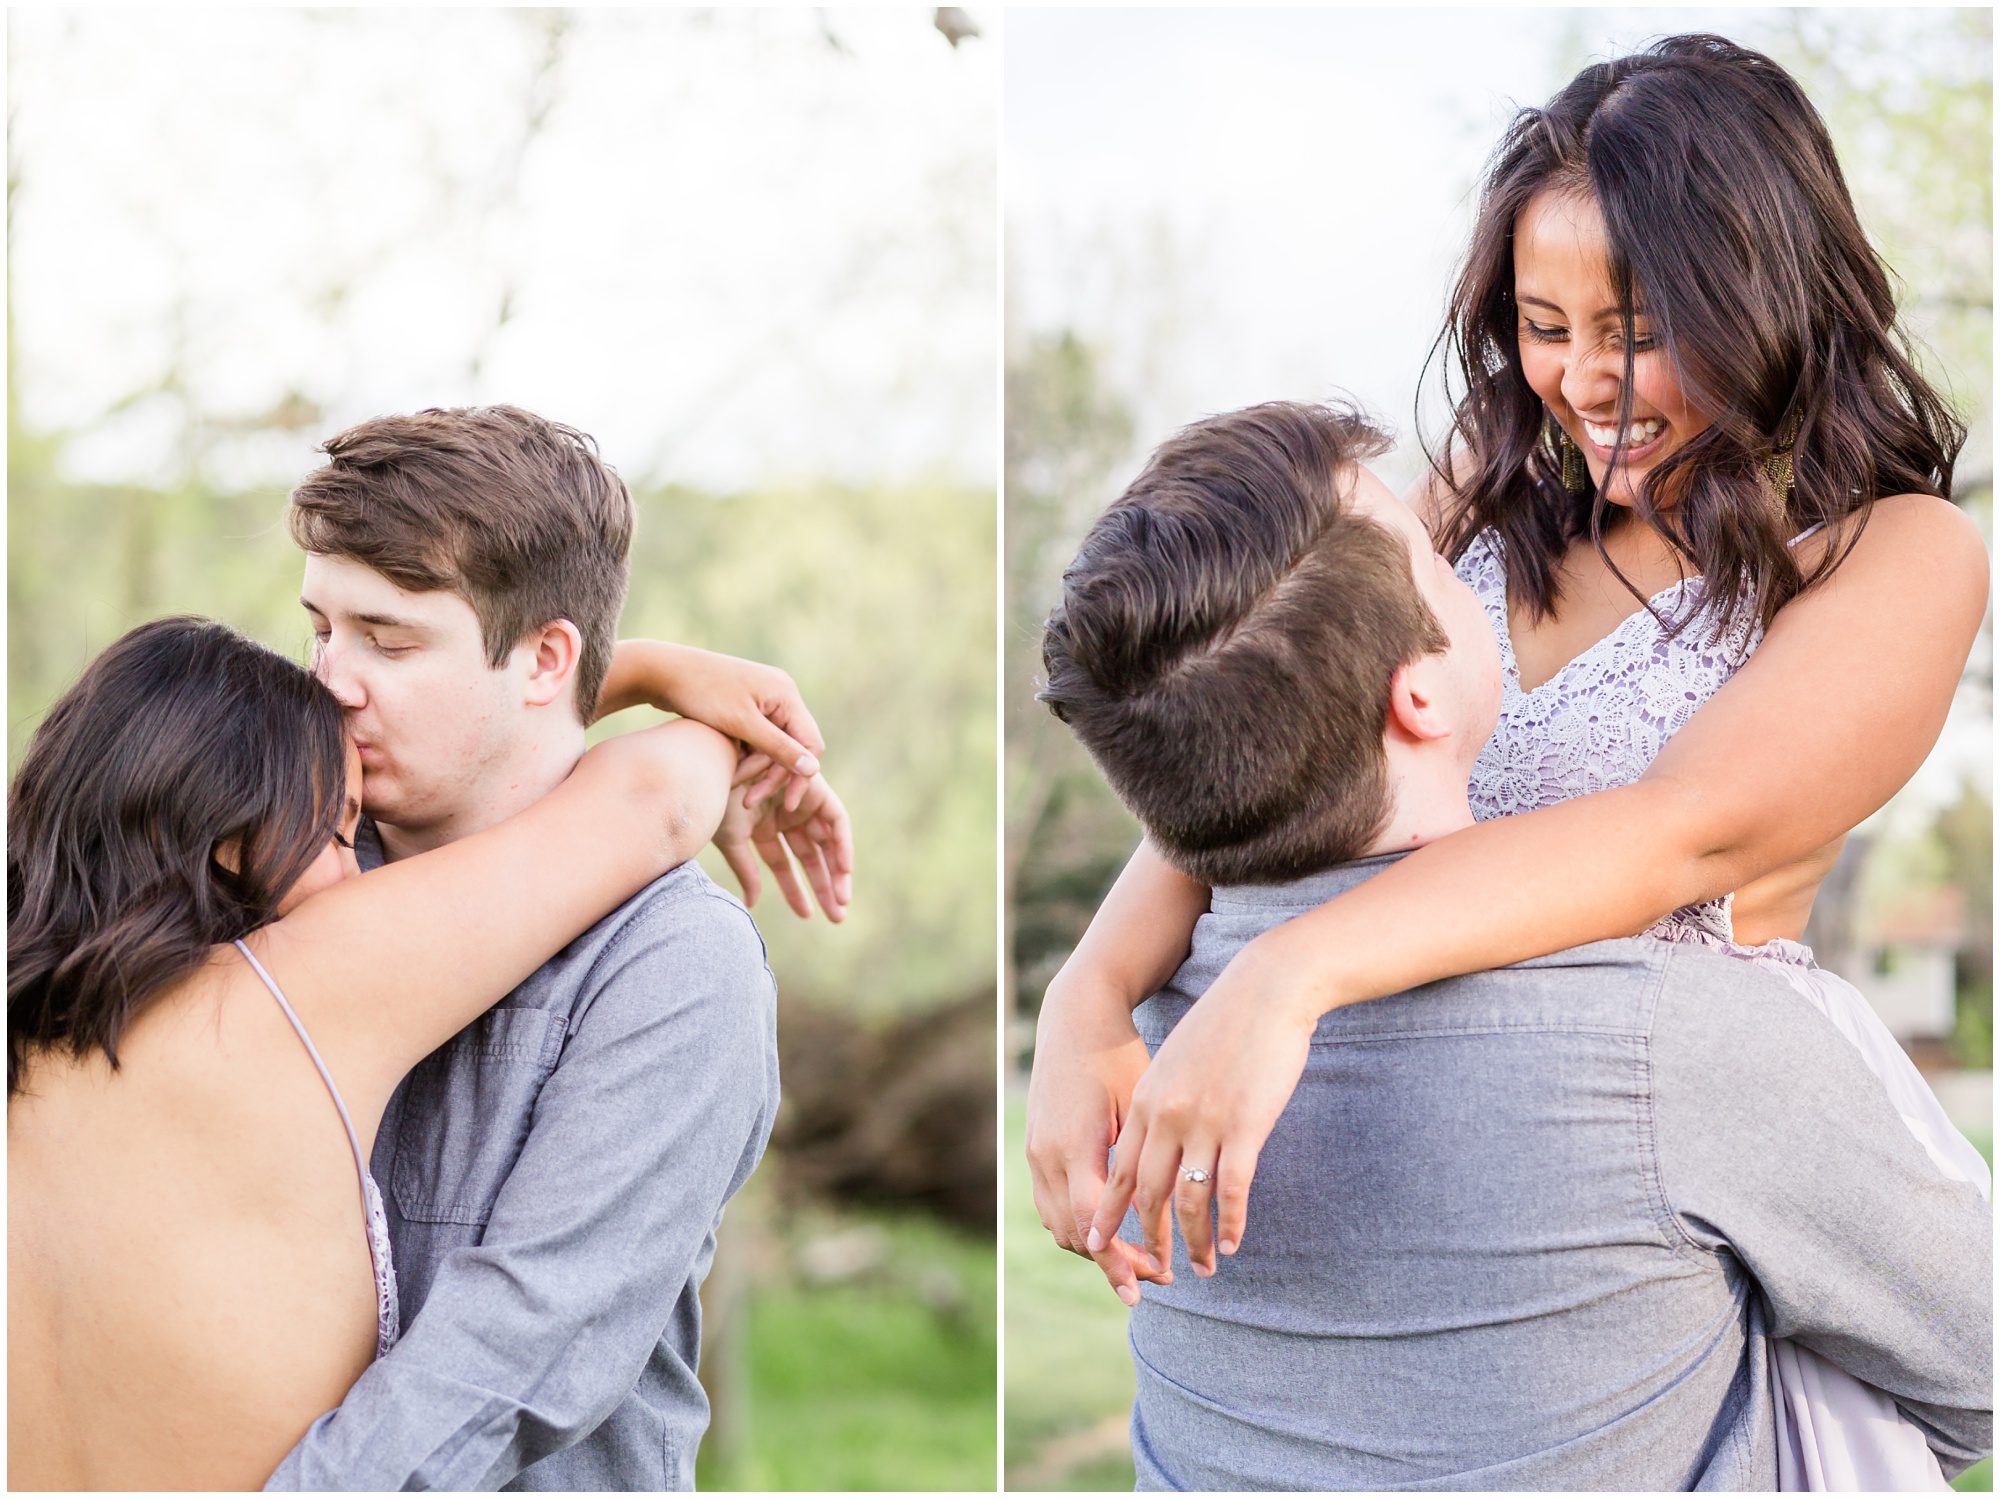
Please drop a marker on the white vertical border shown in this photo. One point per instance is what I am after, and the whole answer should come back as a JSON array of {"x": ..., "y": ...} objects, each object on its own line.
[{"x": 994, "y": 23}]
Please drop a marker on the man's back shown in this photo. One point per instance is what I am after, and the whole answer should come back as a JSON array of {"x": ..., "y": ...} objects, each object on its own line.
[{"x": 1504, "y": 1235}]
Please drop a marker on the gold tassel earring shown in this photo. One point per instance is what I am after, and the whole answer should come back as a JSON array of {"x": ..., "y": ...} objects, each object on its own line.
[
  {"x": 1778, "y": 467},
  {"x": 1568, "y": 459}
]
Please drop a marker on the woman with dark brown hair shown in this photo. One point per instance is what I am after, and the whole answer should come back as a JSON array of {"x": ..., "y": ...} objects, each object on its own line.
[
  {"x": 186, "y": 1224},
  {"x": 1702, "y": 489}
]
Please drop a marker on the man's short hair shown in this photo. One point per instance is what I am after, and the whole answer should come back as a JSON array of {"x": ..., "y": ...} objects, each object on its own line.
[
  {"x": 1225, "y": 642},
  {"x": 515, "y": 514}
]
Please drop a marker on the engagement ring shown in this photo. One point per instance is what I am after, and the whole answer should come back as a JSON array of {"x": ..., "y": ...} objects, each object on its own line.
[{"x": 1194, "y": 1174}]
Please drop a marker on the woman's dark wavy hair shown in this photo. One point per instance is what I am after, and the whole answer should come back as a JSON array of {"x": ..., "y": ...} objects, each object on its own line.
[
  {"x": 1728, "y": 217},
  {"x": 180, "y": 738}
]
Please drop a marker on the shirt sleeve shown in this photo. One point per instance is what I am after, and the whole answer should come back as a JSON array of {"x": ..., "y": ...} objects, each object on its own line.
[
  {"x": 653, "y": 1116},
  {"x": 1777, "y": 1144}
]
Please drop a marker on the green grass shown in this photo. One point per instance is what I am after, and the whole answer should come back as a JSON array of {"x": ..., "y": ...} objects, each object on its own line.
[
  {"x": 874, "y": 1384},
  {"x": 1069, "y": 1375}
]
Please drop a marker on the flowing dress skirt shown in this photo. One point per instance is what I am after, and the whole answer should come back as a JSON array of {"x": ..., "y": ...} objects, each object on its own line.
[{"x": 1834, "y": 1432}]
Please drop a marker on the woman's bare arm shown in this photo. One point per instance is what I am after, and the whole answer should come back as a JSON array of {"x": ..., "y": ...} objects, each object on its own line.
[
  {"x": 746, "y": 700},
  {"x": 761, "y": 707},
  {"x": 1140, "y": 933},
  {"x": 386, "y": 967},
  {"x": 1088, "y": 1055},
  {"x": 1834, "y": 712}
]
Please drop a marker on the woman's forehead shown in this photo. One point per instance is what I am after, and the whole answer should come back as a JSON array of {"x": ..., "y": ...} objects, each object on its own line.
[{"x": 1560, "y": 249}]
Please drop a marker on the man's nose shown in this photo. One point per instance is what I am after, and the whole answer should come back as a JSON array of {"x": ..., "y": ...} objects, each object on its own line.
[{"x": 330, "y": 666}]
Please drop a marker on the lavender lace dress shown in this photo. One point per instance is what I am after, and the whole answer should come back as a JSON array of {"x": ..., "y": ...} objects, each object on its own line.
[{"x": 1596, "y": 724}]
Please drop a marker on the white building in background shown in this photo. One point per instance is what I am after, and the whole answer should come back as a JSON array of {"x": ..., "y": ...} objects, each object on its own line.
[{"x": 1907, "y": 964}]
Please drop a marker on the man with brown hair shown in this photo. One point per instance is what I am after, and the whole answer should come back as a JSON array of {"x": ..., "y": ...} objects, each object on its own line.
[
  {"x": 1231, "y": 624},
  {"x": 1526, "y": 1229},
  {"x": 554, "y": 1176}
]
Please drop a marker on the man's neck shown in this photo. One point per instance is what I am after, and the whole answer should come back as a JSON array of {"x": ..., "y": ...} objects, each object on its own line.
[
  {"x": 522, "y": 782},
  {"x": 1428, "y": 801}
]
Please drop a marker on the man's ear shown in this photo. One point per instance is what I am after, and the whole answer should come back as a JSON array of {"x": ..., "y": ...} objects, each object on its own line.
[
  {"x": 552, "y": 654},
  {"x": 1417, "y": 705}
]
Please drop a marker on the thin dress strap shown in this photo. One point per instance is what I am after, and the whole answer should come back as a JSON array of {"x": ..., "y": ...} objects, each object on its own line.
[
  {"x": 353, "y": 1140},
  {"x": 372, "y": 1215},
  {"x": 1811, "y": 530}
]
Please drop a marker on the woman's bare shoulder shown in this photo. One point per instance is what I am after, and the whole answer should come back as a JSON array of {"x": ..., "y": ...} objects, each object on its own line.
[
  {"x": 218, "y": 1020},
  {"x": 1900, "y": 535}
]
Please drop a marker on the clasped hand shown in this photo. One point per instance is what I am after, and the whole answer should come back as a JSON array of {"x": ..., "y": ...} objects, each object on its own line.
[
  {"x": 778, "y": 800},
  {"x": 1208, "y": 1101},
  {"x": 791, "y": 811}
]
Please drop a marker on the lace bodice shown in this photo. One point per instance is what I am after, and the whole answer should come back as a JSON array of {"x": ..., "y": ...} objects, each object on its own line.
[
  {"x": 1601, "y": 720},
  {"x": 388, "y": 1317}
]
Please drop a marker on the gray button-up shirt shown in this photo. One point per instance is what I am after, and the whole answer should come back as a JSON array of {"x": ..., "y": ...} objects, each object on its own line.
[
  {"x": 554, "y": 1177},
  {"x": 1532, "y": 1228}
]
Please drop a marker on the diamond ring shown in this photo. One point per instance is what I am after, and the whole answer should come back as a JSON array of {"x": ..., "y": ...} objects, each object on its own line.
[{"x": 1194, "y": 1174}]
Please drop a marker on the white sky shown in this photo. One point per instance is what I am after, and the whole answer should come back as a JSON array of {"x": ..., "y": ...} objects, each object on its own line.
[
  {"x": 1304, "y": 191},
  {"x": 736, "y": 252}
]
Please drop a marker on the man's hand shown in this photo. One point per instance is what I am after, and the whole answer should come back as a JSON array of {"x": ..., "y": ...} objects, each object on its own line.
[
  {"x": 756, "y": 704},
  {"x": 809, "y": 820},
  {"x": 1208, "y": 1103},
  {"x": 1088, "y": 1056}
]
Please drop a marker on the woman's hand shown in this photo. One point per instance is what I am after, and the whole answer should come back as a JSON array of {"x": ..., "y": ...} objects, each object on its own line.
[
  {"x": 809, "y": 820},
  {"x": 1209, "y": 1101},
  {"x": 755, "y": 704},
  {"x": 1088, "y": 1056}
]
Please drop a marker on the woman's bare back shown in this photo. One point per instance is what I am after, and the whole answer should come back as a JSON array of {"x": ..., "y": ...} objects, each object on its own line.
[{"x": 189, "y": 1279}]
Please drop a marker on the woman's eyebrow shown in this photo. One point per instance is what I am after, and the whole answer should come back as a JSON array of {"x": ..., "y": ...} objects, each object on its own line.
[{"x": 1603, "y": 314}]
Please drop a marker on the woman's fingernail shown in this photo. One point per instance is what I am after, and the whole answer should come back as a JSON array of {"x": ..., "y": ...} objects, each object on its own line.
[
  {"x": 1229, "y": 1246},
  {"x": 1129, "y": 1295},
  {"x": 806, "y": 765},
  {"x": 1096, "y": 1240}
]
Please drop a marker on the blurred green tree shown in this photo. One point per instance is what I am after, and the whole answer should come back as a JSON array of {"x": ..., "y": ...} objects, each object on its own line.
[{"x": 1065, "y": 833}]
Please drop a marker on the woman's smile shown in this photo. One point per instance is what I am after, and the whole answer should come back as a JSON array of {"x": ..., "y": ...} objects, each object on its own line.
[{"x": 1644, "y": 438}]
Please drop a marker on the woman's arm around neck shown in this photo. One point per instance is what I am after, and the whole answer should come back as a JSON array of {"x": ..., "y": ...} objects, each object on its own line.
[{"x": 387, "y": 967}]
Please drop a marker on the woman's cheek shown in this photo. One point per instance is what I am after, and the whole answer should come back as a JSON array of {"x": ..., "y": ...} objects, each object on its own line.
[
  {"x": 1544, "y": 375},
  {"x": 1657, "y": 389}
]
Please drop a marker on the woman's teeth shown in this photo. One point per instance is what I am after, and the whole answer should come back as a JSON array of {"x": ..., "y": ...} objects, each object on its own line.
[{"x": 1637, "y": 435}]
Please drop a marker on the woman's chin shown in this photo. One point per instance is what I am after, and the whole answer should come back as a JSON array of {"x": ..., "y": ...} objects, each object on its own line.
[{"x": 1623, "y": 491}]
